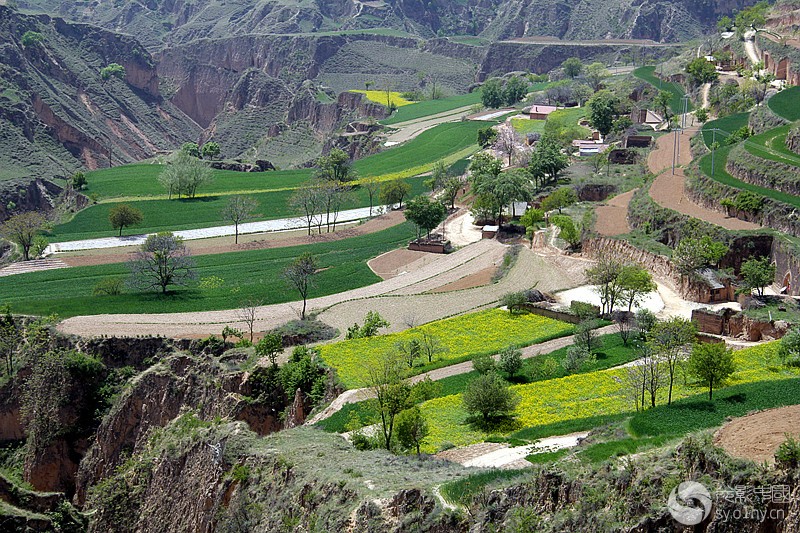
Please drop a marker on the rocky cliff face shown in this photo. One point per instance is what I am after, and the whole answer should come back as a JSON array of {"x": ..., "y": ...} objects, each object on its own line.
[{"x": 58, "y": 114}]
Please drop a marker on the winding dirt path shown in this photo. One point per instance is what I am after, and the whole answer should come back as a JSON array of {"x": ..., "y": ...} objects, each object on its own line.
[{"x": 668, "y": 189}]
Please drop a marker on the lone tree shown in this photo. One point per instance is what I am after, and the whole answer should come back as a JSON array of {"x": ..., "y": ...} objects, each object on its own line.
[
  {"x": 237, "y": 210},
  {"x": 711, "y": 364},
  {"x": 425, "y": 213},
  {"x": 301, "y": 275},
  {"x": 412, "y": 428},
  {"x": 211, "y": 150},
  {"x": 393, "y": 192},
  {"x": 702, "y": 71},
  {"x": 23, "y": 229},
  {"x": 309, "y": 199},
  {"x": 373, "y": 186},
  {"x": 757, "y": 274},
  {"x": 602, "y": 110},
  {"x": 671, "y": 340},
  {"x": 185, "y": 175},
  {"x": 489, "y": 396},
  {"x": 163, "y": 260},
  {"x": 559, "y": 199},
  {"x": 122, "y": 216},
  {"x": 572, "y": 67},
  {"x": 112, "y": 70},
  {"x": 335, "y": 167},
  {"x": 390, "y": 390},
  {"x": 270, "y": 346}
]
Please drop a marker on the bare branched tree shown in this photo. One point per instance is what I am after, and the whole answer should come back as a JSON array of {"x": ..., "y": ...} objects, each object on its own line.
[
  {"x": 163, "y": 260},
  {"x": 247, "y": 313}
]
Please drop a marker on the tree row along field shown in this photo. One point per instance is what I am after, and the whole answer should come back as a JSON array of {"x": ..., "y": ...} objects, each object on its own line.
[
  {"x": 447, "y": 142},
  {"x": 225, "y": 280}
]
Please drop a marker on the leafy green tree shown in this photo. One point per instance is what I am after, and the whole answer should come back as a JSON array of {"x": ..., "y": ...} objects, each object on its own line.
[
  {"x": 373, "y": 321},
  {"x": 430, "y": 346},
  {"x": 185, "y": 175},
  {"x": 489, "y": 396},
  {"x": 191, "y": 149},
  {"x": 532, "y": 217},
  {"x": 394, "y": 192},
  {"x": 605, "y": 277},
  {"x": 486, "y": 137},
  {"x": 335, "y": 167},
  {"x": 711, "y": 364},
  {"x": 79, "y": 181},
  {"x": 112, "y": 70},
  {"x": 301, "y": 274},
  {"x": 452, "y": 185},
  {"x": 483, "y": 363},
  {"x": 162, "y": 260},
  {"x": 702, "y": 71},
  {"x": 510, "y": 361},
  {"x": 211, "y": 150},
  {"x": 373, "y": 186},
  {"x": 31, "y": 38},
  {"x": 663, "y": 101},
  {"x": 237, "y": 210},
  {"x": 725, "y": 24},
  {"x": 634, "y": 283},
  {"x": 596, "y": 74},
  {"x": 270, "y": 346},
  {"x": 569, "y": 232},
  {"x": 559, "y": 199},
  {"x": 391, "y": 392},
  {"x": 755, "y": 15},
  {"x": 671, "y": 339},
  {"x": 515, "y": 90},
  {"x": 410, "y": 350},
  {"x": 789, "y": 349},
  {"x": 513, "y": 301},
  {"x": 757, "y": 273},
  {"x": 691, "y": 254},
  {"x": 547, "y": 161},
  {"x": 492, "y": 93},
  {"x": 573, "y": 67},
  {"x": 23, "y": 229},
  {"x": 11, "y": 338},
  {"x": 412, "y": 428},
  {"x": 123, "y": 215},
  {"x": 701, "y": 115},
  {"x": 602, "y": 111},
  {"x": 425, "y": 213}
]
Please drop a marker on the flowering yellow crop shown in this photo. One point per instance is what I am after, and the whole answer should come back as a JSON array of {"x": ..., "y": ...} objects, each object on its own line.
[
  {"x": 379, "y": 97},
  {"x": 463, "y": 337},
  {"x": 583, "y": 396}
]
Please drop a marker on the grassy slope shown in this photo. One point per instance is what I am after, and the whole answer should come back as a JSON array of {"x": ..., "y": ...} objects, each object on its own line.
[
  {"x": 432, "y": 107},
  {"x": 446, "y": 140},
  {"x": 251, "y": 274},
  {"x": 648, "y": 74},
  {"x": 771, "y": 145},
  {"x": 785, "y": 104}
]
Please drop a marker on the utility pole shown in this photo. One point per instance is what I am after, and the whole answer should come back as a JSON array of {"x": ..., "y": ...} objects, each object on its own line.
[{"x": 675, "y": 150}]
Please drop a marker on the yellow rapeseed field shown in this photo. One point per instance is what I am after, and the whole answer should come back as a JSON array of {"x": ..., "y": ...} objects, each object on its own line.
[
  {"x": 379, "y": 97},
  {"x": 463, "y": 337}
]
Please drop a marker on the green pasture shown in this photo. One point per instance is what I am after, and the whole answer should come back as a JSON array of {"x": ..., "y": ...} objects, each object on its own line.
[
  {"x": 432, "y": 107},
  {"x": 255, "y": 274},
  {"x": 786, "y": 104},
  {"x": 676, "y": 104}
]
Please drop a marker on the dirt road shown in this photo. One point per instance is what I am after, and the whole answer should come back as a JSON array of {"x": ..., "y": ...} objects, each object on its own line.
[
  {"x": 612, "y": 218},
  {"x": 668, "y": 189}
]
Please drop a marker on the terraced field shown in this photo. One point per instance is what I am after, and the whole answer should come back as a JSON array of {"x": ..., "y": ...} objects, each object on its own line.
[
  {"x": 676, "y": 104},
  {"x": 237, "y": 276},
  {"x": 137, "y": 185}
]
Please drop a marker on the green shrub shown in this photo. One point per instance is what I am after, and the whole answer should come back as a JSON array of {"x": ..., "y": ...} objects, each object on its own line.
[
  {"x": 108, "y": 286},
  {"x": 788, "y": 454},
  {"x": 483, "y": 363},
  {"x": 30, "y": 38}
]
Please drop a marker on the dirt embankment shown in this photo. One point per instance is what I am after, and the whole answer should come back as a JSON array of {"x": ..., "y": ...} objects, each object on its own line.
[{"x": 757, "y": 436}]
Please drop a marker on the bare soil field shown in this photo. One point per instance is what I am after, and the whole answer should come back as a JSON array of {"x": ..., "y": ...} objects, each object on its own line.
[
  {"x": 757, "y": 436},
  {"x": 478, "y": 279},
  {"x": 612, "y": 218}
]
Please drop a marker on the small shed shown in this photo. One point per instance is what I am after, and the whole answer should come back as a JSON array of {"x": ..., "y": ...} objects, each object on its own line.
[
  {"x": 539, "y": 112},
  {"x": 590, "y": 148},
  {"x": 716, "y": 289},
  {"x": 489, "y": 232}
]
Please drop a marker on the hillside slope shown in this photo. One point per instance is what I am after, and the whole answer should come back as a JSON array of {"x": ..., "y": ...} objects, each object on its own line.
[{"x": 58, "y": 113}]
